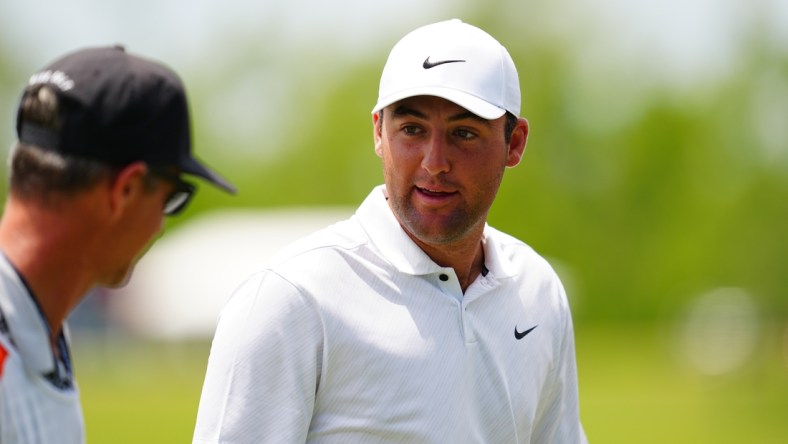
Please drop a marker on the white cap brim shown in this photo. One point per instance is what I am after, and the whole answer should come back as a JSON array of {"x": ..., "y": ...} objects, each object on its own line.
[{"x": 470, "y": 102}]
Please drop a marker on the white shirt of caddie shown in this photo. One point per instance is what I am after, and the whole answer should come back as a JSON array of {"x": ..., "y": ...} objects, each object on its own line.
[
  {"x": 32, "y": 409},
  {"x": 354, "y": 335}
]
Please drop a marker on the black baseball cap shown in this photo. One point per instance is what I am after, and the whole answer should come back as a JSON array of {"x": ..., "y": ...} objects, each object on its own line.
[{"x": 117, "y": 108}]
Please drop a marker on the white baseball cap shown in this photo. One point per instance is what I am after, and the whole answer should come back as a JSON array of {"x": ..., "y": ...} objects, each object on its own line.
[{"x": 456, "y": 61}]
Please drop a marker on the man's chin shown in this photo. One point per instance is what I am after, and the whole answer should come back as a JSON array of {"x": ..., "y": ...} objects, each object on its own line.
[{"x": 120, "y": 279}]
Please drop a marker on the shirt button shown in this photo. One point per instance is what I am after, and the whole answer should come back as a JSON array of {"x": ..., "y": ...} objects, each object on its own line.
[{"x": 443, "y": 277}]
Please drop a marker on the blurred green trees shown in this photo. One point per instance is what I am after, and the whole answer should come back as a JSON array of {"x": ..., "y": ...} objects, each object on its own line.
[{"x": 680, "y": 196}]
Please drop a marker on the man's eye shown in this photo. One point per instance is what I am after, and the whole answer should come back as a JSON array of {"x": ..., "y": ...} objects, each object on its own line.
[
  {"x": 410, "y": 130},
  {"x": 464, "y": 134}
]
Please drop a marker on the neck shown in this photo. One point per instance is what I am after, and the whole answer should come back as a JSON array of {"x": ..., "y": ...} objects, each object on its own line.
[
  {"x": 45, "y": 247},
  {"x": 466, "y": 259}
]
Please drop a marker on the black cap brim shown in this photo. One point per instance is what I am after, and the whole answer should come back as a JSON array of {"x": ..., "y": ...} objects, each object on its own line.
[{"x": 191, "y": 166}]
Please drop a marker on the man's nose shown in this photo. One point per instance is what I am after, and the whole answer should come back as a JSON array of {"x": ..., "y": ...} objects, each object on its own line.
[{"x": 436, "y": 159}]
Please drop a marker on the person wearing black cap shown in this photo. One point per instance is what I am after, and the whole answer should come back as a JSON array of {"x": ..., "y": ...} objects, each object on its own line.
[{"x": 104, "y": 139}]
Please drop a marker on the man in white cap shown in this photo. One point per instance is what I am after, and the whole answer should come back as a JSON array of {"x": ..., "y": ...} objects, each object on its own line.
[{"x": 413, "y": 321}]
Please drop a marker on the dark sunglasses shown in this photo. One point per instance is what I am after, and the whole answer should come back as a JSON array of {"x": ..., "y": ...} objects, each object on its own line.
[{"x": 180, "y": 196}]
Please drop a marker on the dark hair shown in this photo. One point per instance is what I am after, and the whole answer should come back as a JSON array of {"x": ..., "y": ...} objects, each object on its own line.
[
  {"x": 37, "y": 172},
  {"x": 508, "y": 128}
]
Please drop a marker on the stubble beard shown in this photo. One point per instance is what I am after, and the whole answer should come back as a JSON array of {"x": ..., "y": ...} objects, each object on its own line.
[
  {"x": 438, "y": 229},
  {"x": 435, "y": 229}
]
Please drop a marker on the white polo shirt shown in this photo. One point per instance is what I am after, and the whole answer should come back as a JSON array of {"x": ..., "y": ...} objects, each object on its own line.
[
  {"x": 354, "y": 335},
  {"x": 39, "y": 403}
]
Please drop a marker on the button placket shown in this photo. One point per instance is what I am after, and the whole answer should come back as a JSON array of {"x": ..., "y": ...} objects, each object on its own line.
[
  {"x": 470, "y": 333},
  {"x": 449, "y": 284}
]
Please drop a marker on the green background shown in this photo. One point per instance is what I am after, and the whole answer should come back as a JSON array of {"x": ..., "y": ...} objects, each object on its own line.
[{"x": 661, "y": 203}]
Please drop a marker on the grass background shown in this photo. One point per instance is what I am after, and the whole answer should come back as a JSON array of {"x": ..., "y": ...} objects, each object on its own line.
[{"x": 633, "y": 388}]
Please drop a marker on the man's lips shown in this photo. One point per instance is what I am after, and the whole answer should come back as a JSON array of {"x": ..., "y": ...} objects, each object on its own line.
[{"x": 433, "y": 193}]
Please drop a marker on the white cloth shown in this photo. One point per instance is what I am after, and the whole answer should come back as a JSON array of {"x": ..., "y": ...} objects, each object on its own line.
[
  {"x": 32, "y": 409},
  {"x": 353, "y": 335}
]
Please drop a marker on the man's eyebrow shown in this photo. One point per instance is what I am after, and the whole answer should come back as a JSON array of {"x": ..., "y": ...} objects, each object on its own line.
[
  {"x": 469, "y": 115},
  {"x": 403, "y": 110}
]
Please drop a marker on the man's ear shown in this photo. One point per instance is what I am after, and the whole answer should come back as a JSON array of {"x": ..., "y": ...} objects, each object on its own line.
[
  {"x": 377, "y": 133},
  {"x": 517, "y": 142},
  {"x": 127, "y": 186}
]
